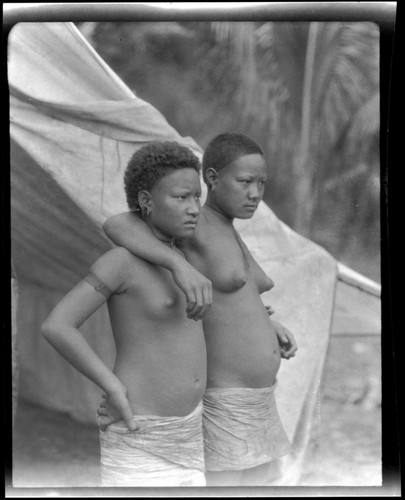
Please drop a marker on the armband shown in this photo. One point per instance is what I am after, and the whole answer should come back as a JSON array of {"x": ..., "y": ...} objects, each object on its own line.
[{"x": 98, "y": 285}]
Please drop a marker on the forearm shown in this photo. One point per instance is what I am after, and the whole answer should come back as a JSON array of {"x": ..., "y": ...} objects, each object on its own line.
[
  {"x": 72, "y": 346},
  {"x": 131, "y": 232}
]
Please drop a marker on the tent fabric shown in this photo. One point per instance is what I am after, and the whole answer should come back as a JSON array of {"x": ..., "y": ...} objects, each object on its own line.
[
  {"x": 100, "y": 118},
  {"x": 73, "y": 127}
]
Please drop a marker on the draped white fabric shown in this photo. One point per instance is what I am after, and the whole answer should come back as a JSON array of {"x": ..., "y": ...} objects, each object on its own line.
[{"x": 74, "y": 125}]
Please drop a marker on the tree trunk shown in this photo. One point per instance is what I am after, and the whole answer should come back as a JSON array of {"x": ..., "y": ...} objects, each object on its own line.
[{"x": 303, "y": 169}]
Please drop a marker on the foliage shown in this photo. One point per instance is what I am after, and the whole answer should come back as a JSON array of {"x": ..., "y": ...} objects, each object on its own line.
[{"x": 308, "y": 92}]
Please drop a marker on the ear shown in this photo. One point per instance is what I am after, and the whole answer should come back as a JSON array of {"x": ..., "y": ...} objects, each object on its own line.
[
  {"x": 212, "y": 177},
  {"x": 145, "y": 201}
]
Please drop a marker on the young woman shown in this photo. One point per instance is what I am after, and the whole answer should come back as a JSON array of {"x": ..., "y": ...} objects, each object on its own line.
[
  {"x": 159, "y": 376},
  {"x": 243, "y": 433}
]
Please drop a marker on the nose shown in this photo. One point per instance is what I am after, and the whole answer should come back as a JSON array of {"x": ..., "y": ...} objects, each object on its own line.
[
  {"x": 194, "y": 207},
  {"x": 255, "y": 192}
]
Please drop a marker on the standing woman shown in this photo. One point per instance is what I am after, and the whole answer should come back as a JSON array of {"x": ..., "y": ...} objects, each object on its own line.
[
  {"x": 243, "y": 433},
  {"x": 159, "y": 375}
]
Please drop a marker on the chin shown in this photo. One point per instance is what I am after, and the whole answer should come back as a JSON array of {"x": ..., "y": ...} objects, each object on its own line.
[
  {"x": 187, "y": 233},
  {"x": 245, "y": 215}
]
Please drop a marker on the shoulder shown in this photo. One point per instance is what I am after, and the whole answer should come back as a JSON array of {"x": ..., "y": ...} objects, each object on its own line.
[
  {"x": 113, "y": 266},
  {"x": 122, "y": 217},
  {"x": 114, "y": 258},
  {"x": 201, "y": 232}
]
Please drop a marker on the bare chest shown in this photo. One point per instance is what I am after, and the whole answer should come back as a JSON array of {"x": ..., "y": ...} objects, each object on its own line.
[
  {"x": 222, "y": 259},
  {"x": 151, "y": 292}
]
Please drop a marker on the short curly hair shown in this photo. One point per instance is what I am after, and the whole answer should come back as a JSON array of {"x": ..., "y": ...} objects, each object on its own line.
[
  {"x": 152, "y": 162},
  {"x": 226, "y": 148}
]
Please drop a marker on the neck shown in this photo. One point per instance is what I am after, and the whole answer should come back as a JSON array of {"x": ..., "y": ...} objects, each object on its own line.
[
  {"x": 217, "y": 211},
  {"x": 170, "y": 242}
]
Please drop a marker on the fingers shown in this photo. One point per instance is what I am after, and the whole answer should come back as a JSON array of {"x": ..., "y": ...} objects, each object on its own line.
[
  {"x": 129, "y": 419},
  {"x": 196, "y": 288},
  {"x": 105, "y": 421},
  {"x": 105, "y": 418},
  {"x": 288, "y": 353},
  {"x": 291, "y": 353},
  {"x": 291, "y": 346},
  {"x": 282, "y": 336},
  {"x": 196, "y": 305},
  {"x": 199, "y": 301},
  {"x": 207, "y": 301},
  {"x": 286, "y": 341}
]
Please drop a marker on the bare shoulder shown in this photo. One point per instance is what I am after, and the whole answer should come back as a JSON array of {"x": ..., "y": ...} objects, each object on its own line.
[
  {"x": 201, "y": 233},
  {"x": 113, "y": 267},
  {"x": 115, "y": 258}
]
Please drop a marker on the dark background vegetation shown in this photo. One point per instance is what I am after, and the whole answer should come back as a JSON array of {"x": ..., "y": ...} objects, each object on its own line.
[{"x": 308, "y": 92}]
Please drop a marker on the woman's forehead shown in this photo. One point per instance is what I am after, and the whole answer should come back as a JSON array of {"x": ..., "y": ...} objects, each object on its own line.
[
  {"x": 183, "y": 178},
  {"x": 252, "y": 163}
]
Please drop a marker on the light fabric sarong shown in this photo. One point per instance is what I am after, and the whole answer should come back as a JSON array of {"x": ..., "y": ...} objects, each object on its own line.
[
  {"x": 165, "y": 451},
  {"x": 242, "y": 428}
]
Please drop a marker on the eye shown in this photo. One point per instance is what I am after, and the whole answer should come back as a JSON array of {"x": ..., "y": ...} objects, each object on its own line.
[
  {"x": 181, "y": 198},
  {"x": 244, "y": 181}
]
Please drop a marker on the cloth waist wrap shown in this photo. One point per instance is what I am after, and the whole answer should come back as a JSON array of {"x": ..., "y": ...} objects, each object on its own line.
[
  {"x": 242, "y": 428},
  {"x": 165, "y": 451}
]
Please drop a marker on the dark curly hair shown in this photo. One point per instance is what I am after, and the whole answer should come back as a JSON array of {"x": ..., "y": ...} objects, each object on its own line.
[
  {"x": 152, "y": 162},
  {"x": 226, "y": 148}
]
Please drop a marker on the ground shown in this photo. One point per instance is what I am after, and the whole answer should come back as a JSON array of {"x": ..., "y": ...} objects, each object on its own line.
[{"x": 50, "y": 450}]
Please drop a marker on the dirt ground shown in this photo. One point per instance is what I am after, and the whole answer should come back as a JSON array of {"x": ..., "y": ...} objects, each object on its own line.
[{"x": 50, "y": 450}]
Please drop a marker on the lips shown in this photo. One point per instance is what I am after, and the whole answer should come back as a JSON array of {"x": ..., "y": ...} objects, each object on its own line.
[{"x": 251, "y": 207}]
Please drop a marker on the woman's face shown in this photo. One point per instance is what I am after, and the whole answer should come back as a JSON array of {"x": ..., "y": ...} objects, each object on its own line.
[
  {"x": 239, "y": 187},
  {"x": 175, "y": 204}
]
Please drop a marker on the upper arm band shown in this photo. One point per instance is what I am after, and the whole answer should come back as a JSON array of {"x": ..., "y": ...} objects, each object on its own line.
[{"x": 98, "y": 285}]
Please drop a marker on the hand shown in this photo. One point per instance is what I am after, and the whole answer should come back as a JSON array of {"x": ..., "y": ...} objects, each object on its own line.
[
  {"x": 115, "y": 407},
  {"x": 196, "y": 287},
  {"x": 106, "y": 414},
  {"x": 288, "y": 346}
]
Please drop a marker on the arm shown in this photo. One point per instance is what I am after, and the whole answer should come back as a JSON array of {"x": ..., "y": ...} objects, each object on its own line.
[
  {"x": 61, "y": 330},
  {"x": 131, "y": 232}
]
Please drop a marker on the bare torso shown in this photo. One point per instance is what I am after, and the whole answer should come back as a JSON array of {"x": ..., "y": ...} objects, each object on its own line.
[
  {"x": 242, "y": 346},
  {"x": 160, "y": 353}
]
